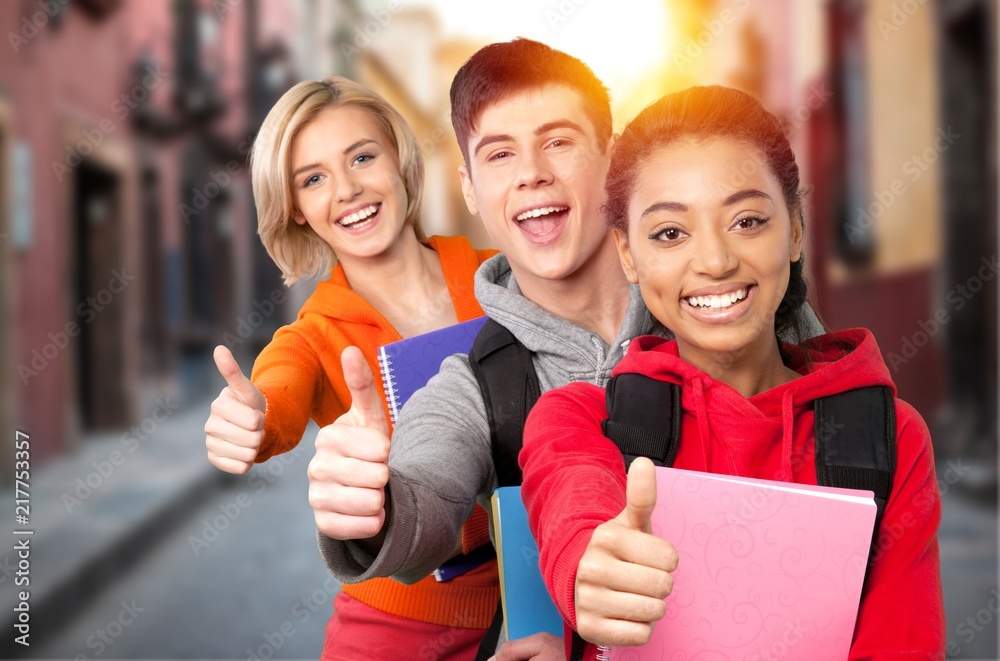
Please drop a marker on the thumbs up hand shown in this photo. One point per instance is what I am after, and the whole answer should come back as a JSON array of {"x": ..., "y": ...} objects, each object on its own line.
[
  {"x": 347, "y": 477},
  {"x": 235, "y": 427},
  {"x": 625, "y": 573}
]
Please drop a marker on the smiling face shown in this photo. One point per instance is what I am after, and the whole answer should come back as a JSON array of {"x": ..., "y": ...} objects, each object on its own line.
[
  {"x": 536, "y": 176},
  {"x": 346, "y": 183},
  {"x": 710, "y": 245}
]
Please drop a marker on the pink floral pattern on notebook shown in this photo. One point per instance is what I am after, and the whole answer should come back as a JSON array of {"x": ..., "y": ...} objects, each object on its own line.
[{"x": 767, "y": 569}]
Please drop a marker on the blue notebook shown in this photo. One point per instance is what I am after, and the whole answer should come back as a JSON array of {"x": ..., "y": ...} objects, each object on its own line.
[
  {"x": 407, "y": 365},
  {"x": 527, "y": 606}
]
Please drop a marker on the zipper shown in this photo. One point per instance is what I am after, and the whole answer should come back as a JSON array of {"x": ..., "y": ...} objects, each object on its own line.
[{"x": 599, "y": 379}]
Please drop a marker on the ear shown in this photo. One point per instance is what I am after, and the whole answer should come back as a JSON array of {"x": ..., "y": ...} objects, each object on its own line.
[
  {"x": 612, "y": 141},
  {"x": 298, "y": 217},
  {"x": 607, "y": 149},
  {"x": 795, "y": 252},
  {"x": 625, "y": 256},
  {"x": 467, "y": 192}
]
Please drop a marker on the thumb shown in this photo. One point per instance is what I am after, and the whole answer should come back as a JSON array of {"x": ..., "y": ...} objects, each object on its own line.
[
  {"x": 366, "y": 404},
  {"x": 235, "y": 379},
  {"x": 640, "y": 495}
]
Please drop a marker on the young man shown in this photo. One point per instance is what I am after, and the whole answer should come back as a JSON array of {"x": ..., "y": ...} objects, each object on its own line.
[{"x": 534, "y": 125}]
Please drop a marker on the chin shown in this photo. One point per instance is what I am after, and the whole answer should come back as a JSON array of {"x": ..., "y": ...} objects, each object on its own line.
[
  {"x": 738, "y": 342},
  {"x": 553, "y": 269},
  {"x": 714, "y": 340},
  {"x": 371, "y": 250}
]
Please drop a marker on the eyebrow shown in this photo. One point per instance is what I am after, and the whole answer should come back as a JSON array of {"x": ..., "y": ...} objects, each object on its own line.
[
  {"x": 749, "y": 193},
  {"x": 354, "y": 146},
  {"x": 664, "y": 206},
  {"x": 490, "y": 139},
  {"x": 739, "y": 196},
  {"x": 558, "y": 124},
  {"x": 544, "y": 128},
  {"x": 362, "y": 141}
]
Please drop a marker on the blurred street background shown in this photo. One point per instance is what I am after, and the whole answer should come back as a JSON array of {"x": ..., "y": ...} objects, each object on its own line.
[{"x": 128, "y": 251}]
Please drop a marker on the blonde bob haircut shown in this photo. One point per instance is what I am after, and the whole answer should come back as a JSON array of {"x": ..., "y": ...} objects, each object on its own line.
[{"x": 296, "y": 249}]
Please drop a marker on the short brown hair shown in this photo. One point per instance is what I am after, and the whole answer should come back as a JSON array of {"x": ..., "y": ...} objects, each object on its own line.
[
  {"x": 297, "y": 249},
  {"x": 502, "y": 69}
]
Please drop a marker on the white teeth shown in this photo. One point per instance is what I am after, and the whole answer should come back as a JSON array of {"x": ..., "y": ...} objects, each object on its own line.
[
  {"x": 358, "y": 216},
  {"x": 717, "y": 301},
  {"x": 541, "y": 211}
]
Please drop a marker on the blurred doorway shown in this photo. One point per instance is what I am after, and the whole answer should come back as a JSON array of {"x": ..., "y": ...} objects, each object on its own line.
[
  {"x": 97, "y": 281},
  {"x": 208, "y": 306},
  {"x": 155, "y": 354},
  {"x": 968, "y": 108}
]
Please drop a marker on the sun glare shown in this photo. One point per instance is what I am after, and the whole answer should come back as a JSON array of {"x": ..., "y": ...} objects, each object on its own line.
[
  {"x": 624, "y": 43},
  {"x": 620, "y": 46}
]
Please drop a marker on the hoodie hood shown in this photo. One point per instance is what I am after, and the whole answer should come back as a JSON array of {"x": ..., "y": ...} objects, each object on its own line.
[
  {"x": 564, "y": 351},
  {"x": 334, "y": 298},
  {"x": 747, "y": 428}
]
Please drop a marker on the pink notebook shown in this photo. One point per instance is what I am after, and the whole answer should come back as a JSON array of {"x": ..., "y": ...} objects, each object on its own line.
[{"x": 767, "y": 569}]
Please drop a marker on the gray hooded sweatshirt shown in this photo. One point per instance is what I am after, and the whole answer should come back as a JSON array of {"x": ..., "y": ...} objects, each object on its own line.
[{"x": 441, "y": 463}]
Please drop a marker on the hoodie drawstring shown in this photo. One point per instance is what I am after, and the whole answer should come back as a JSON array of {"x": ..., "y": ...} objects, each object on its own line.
[
  {"x": 704, "y": 431},
  {"x": 787, "y": 424}
]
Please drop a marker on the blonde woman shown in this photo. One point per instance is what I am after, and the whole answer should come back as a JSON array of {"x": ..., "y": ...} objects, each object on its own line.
[{"x": 337, "y": 178}]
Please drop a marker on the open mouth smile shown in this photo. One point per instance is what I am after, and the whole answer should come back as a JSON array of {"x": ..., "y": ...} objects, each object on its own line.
[
  {"x": 361, "y": 218},
  {"x": 542, "y": 224},
  {"x": 720, "y": 301},
  {"x": 720, "y": 308}
]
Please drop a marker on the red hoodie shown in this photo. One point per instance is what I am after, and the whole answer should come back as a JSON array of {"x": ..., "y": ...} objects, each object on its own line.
[{"x": 574, "y": 478}]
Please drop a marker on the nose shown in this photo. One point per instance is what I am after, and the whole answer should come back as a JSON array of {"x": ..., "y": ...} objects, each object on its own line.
[
  {"x": 714, "y": 257},
  {"x": 532, "y": 170},
  {"x": 348, "y": 187}
]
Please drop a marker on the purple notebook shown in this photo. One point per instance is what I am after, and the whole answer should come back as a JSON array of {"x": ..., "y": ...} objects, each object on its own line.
[{"x": 407, "y": 365}]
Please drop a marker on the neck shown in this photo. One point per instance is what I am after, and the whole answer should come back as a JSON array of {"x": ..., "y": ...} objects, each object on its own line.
[
  {"x": 398, "y": 280},
  {"x": 594, "y": 297},
  {"x": 751, "y": 370}
]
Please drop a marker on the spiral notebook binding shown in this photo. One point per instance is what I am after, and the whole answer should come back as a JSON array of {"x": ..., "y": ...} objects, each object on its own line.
[
  {"x": 388, "y": 382},
  {"x": 603, "y": 653}
]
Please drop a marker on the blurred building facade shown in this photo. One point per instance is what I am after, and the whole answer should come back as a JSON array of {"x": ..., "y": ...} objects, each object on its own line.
[
  {"x": 129, "y": 244},
  {"x": 904, "y": 164},
  {"x": 128, "y": 247},
  {"x": 891, "y": 108},
  {"x": 125, "y": 126}
]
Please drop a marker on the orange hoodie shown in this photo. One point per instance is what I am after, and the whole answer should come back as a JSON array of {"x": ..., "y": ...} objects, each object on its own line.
[{"x": 300, "y": 375}]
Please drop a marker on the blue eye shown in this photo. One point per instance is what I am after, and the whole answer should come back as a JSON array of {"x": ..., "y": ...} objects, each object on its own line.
[
  {"x": 310, "y": 181},
  {"x": 363, "y": 158}
]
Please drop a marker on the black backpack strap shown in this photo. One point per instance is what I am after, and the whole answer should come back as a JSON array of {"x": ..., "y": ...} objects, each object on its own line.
[
  {"x": 856, "y": 444},
  {"x": 509, "y": 386},
  {"x": 488, "y": 646},
  {"x": 644, "y": 417},
  {"x": 576, "y": 649}
]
